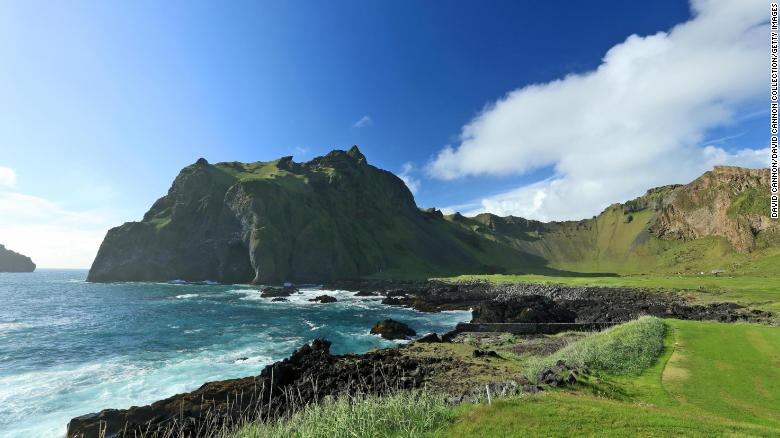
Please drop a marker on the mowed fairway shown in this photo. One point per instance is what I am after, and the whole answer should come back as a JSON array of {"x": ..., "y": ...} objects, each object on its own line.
[{"x": 713, "y": 379}]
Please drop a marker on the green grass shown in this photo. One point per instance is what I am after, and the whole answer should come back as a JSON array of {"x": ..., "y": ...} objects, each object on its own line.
[
  {"x": 750, "y": 290},
  {"x": 400, "y": 415},
  {"x": 625, "y": 349},
  {"x": 712, "y": 379}
]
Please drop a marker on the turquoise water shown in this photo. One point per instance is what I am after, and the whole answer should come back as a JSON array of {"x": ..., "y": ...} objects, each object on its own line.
[{"x": 68, "y": 347}]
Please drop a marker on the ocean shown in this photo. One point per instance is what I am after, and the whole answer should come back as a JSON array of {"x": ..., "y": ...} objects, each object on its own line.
[{"x": 68, "y": 347}]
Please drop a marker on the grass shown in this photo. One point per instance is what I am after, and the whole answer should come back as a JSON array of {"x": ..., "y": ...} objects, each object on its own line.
[
  {"x": 699, "y": 379},
  {"x": 400, "y": 415},
  {"x": 750, "y": 290},
  {"x": 712, "y": 379},
  {"x": 625, "y": 349}
]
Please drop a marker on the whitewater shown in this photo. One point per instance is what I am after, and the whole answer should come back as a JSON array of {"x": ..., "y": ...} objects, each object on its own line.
[{"x": 68, "y": 347}]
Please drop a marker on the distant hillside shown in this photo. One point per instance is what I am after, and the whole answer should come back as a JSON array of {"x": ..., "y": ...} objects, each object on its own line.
[
  {"x": 14, "y": 262},
  {"x": 336, "y": 216},
  {"x": 720, "y": 221}
]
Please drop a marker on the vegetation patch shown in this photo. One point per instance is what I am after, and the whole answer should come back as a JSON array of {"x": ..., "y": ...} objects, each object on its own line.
[
  {"x": 626, "y": 349},
  {"x": 408, "y": 414}
]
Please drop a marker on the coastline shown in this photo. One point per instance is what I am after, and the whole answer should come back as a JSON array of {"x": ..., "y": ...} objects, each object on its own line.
[{"x": 227, "y": 403}]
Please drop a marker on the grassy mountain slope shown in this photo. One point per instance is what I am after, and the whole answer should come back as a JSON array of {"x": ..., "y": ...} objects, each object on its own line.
[
  {"x": 720, "y": 221},
  {"x": 333, "y": 217}
]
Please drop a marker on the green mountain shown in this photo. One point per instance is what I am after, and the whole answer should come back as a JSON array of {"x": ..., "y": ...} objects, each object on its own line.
[
  {"x": 337, "y": 216},
  {"x": 11, "y": 261}
]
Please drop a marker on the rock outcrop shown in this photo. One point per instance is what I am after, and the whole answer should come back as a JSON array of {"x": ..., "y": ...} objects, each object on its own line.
[
  {"x": 729, "y": 202},
  {"x": 392, "y": 330},
  {"x": 307, "y": 376},
  {"x": 11, "y": 261}
]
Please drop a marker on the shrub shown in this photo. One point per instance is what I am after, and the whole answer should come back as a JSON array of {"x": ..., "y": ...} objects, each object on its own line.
[{"x": 627, "y": 349}]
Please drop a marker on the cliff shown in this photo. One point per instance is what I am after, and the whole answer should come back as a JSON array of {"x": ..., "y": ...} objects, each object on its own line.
[
  {"x": 335, "y": 216},
  {"x": 11, "y": 261}
]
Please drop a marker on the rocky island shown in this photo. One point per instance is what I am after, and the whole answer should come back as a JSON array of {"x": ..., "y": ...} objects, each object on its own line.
[{"x": 11, "y": 261}]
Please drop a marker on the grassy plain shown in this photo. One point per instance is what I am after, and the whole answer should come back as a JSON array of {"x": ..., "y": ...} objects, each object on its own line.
[{"x": 713, "y": 379}]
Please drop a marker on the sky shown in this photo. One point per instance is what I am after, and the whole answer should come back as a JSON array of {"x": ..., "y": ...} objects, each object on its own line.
[{"x": 546, "y": 110}]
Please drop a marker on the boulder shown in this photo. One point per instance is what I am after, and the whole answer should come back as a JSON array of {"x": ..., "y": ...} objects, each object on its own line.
[
  {"x": 275, "y": 291},
  {"x": 392, "y": 330},
  {"x": 486, "y": 353},
  {"x": 430, "y": 338},
  {"x": 324, "y": 299}
]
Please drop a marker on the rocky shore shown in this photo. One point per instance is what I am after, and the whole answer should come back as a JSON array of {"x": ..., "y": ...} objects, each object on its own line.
[
  {"x": 526, "y": 302},
  {"x": 312, "y": 373}
]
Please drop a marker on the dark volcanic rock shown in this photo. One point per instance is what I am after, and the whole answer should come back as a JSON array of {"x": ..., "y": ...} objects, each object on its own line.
[
  {"x": 391, "y": 329},
  {"x": 486, "y": 353},
  {"x": 279, "y": 299},
  {"x": 324, "y": 299},
  {"x": 559, "y": 374},
  {"x": 522, "y": 308},
  {"x": 310, "y": 374},
  {"x": 430, "y": 338},
  {"x": 274, "y": 291},
  {"x": 11, "y": 261},
  {"x": 525, "y": 302}
]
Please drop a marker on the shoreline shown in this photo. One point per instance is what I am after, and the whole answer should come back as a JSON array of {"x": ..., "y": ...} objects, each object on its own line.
[{"x": 232, "y": 401}]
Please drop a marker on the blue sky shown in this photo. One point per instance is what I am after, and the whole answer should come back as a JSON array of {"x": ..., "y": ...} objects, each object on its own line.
[{"x": 101, "y": 103}]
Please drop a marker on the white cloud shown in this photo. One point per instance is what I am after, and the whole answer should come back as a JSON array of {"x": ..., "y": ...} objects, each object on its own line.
[
  {"x": 302, "y": 151},
  {"x": 635, "y": 122},
  {"x": 7, "y": 177},
  {"x": 406, "y": 175},
  {"x": 51, "y": 235},
  {"x": 363, "y": 122}
]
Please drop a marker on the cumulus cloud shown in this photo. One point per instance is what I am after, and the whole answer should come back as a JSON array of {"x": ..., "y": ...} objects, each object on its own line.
[
  {"x": 363, "y": 122},
  {"x": 635, "y": 122},
  {"x": 7, "y": 177},
  {"x": 53, "y": 236},
  {"x": 406, "y": 175}
]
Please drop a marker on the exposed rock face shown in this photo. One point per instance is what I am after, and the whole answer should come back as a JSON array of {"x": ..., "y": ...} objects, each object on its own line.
[
  {"x": 324, "y": 299},
  {"x": 310, "y": 374},
  {"x": 11, "y": 261},
  {"x": 391, "y": 329},
  {"x": 523, "y": 308},
  {"x": 729, "y": 202}
]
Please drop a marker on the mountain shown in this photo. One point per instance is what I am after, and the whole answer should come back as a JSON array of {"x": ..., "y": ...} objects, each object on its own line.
[
  {"x": 338, "y": 217},
  {"x": 335, "y": 216},
  {"x": 14, "y": 262}
]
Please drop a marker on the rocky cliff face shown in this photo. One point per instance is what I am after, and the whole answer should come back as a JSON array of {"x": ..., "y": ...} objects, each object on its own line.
[
  {"x": 11, "y": 261},
  {"x": 729, "y": 202},
  {"x": 333, "y": 217}
]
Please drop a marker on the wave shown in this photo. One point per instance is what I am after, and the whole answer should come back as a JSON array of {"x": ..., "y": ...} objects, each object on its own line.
[{"x": 185, "y": 296}]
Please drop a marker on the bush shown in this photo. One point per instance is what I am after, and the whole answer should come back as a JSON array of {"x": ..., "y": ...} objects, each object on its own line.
[
  {"x": 627, "y": 349},
  {"x": 406, "y": 414}
]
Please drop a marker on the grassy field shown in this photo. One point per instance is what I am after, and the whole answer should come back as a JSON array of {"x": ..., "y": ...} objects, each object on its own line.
[
  {"x": 749, "y": 290},
  {"x": 713, "y": 379},
  {"x": 709, "y": 379}
]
